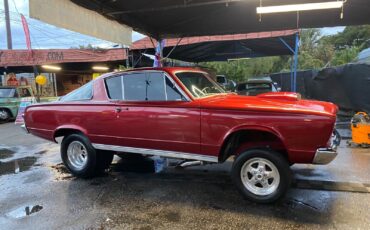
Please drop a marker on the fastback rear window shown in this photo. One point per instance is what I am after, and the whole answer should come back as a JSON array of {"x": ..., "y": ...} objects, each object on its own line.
[{"x": 80, "y": 94}]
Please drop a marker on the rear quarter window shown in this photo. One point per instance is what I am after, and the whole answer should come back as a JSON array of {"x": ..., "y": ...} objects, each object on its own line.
[{"x": 85, "y": 92}]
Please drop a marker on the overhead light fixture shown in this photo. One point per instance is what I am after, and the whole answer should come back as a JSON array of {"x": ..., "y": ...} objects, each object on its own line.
[
  {"x": 300, "y": 7},
  {"x": 237, "y": 59},
  {"x": 51, "y": 67},
  {"x": 101, "y": 68}
]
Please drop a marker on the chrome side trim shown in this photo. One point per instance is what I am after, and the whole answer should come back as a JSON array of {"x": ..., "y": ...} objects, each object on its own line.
[{"x": 156, "y": 152}]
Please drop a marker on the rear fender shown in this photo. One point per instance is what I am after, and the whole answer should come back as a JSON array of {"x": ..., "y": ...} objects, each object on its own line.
[{"x": 61, "y": 130}]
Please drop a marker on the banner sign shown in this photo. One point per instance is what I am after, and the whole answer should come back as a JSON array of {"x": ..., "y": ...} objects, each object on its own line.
[
  {"x": 22, "y": 107},
  {"x": 54, "y": 56}
]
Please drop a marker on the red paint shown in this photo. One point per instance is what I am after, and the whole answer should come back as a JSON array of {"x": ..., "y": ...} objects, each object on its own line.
[{"x": 199, "y": 126}]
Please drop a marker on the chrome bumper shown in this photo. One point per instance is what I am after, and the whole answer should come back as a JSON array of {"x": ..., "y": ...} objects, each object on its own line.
[
  {"x": 324, "y": 156},
  {"x": 24, "y": 128}
]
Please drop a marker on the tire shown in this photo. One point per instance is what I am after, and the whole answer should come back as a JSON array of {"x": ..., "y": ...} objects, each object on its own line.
[
  {"x": 79, "y": 156},
  {"x": 4, "y": 115},
  {"x": 103, "y": 160},
  {"x": 261, "y": 175}
]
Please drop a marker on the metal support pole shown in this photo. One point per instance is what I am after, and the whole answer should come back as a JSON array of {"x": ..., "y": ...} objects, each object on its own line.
[
  {"x": 7, "y": 24},
  {"x": 159, "y": 54},
  {"x": 294, "y": 65},
  {"x": 295, "y": 62},
  {"x": 127, "y": 58}
]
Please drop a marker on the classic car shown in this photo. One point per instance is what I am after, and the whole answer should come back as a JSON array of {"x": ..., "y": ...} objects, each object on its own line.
[
  {"x": 10, "y": 99},
  {"x": 182, "y": 113}
]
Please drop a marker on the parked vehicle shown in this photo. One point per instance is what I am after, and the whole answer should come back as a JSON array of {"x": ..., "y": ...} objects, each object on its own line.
[
  {"x": 182, "y": 113},
  {"x": 253, "y": 87},
  {"x": 10, "y": 99}
]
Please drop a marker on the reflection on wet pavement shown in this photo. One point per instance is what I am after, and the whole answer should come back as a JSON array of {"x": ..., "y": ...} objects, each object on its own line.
[
  {"x": 24, "y": 211},
  {"x": 6, "y": 153},
  {"x": 18, "y": 165}
]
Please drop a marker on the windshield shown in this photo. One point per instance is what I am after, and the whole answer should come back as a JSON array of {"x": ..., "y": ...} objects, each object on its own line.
[
  {"x": 199, "y": 84},
  {"x": 7, "y": 92}
]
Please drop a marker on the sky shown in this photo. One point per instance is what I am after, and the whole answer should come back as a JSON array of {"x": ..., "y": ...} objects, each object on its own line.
[{"x": 45, "y": 36}]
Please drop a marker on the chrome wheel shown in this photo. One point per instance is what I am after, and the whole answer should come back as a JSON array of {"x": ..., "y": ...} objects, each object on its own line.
[
  {"x": 4, "y": 115},
  {"x": 77, "y": 155},
  {"x": 260, "y": 176}
]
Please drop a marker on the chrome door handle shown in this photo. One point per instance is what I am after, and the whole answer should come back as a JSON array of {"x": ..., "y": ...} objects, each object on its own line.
[{"x": 118, "y": 109}]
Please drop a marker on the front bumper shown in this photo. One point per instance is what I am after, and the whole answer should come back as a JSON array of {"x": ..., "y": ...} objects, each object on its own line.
[{"x": 324, "y": 156}]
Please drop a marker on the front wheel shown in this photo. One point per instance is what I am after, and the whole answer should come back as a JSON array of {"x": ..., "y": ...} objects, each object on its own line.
[{"x": 261, "y": 175}]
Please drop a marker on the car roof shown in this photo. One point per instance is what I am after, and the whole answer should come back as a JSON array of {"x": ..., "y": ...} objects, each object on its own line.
[{"x": 171, "y": 70}]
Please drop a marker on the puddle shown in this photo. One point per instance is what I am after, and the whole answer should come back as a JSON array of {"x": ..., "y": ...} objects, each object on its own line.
[
  {"x": 17, "y": 165},
  {"x": 6, "y": 153},
  {"x": 24, "y": 211}
]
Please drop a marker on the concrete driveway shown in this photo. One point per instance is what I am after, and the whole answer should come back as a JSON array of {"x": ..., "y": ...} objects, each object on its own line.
[{"x": 38, "y": 193}]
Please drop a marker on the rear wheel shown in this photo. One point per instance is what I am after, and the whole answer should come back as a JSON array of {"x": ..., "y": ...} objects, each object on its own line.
[
  {"x": 261, "y": 175},
  {"x": 4, "y": 115},
  {"x": 79, "y": 156}
]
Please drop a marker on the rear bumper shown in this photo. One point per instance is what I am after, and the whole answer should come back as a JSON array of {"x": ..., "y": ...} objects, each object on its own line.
[{"x": 324, "y": 156}]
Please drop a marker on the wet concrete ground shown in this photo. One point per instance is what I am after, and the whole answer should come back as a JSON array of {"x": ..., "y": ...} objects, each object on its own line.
[{"x": 36, "y": 192}]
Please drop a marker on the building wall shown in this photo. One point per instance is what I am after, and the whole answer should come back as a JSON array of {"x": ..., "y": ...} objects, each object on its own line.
[{"x": 69, "y": 82}]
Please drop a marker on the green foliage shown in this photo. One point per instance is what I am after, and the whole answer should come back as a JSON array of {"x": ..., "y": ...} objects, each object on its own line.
[
  {"x": 345, "y": 56},
  {"x": 358, "y": 36},
  {"x": 316, "y": 51},
  {"x": 241, "y": 70}
]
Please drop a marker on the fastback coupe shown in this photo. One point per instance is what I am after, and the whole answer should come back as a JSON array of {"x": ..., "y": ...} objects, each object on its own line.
[{"x": 182, "y": 113}]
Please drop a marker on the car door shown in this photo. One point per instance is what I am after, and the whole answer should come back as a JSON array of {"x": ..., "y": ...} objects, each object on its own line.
[{"x": 154, "y": 114}]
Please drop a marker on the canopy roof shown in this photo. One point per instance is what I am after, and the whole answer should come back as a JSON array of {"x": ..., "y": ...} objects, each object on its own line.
[
  {"x": 185, "y": 18},
  {"x": 221, "y": 47}
]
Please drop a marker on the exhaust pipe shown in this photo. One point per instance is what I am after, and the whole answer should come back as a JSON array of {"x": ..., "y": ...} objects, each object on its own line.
[{"x": 190, "y": 163}]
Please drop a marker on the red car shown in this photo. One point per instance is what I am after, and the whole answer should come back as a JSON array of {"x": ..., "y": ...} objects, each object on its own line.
[{"x": 182, "y": 113}]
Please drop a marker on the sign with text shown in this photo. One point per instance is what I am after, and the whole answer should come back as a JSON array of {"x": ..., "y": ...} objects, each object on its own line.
[
  {"x": 22, "y": 107},
  {"x": 55, "y": 56}
]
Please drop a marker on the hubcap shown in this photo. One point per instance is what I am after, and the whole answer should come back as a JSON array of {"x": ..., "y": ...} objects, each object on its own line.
[
  {"x": 3, "y": 115},
  {"x": 77, "y": 155},
  {"x": 260, "y": 176}
]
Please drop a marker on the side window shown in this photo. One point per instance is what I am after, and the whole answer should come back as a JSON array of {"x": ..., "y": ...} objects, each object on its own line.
[
  {"x": 173, "y": 94},
  {"x": 24, "y": 92},
  {"x": 135, "y": 87},
  {"x": 156, "y": 87},
  {"x": 82, "y": 93},
  {"x": 153, "y": 86},
  {"x": 114, "y": 88}
]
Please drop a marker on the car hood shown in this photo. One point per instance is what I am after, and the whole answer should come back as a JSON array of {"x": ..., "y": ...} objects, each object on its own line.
[{"x": 274, "y": 102}]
